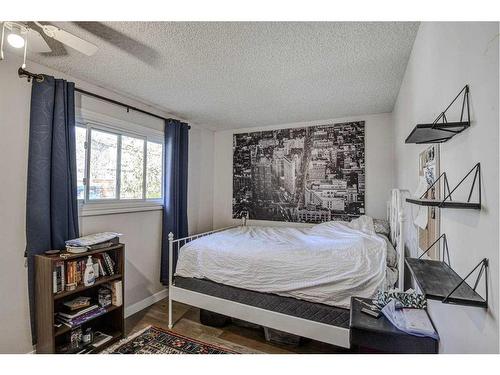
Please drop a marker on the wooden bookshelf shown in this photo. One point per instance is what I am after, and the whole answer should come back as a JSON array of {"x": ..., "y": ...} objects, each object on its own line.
[{"x": 48, "y": 303}]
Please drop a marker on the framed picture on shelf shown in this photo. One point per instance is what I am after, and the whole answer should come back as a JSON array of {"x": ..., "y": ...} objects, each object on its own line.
[{"x": 429, "y": 169}]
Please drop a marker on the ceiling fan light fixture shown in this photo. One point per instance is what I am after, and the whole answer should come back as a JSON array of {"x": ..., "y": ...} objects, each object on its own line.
[{"x": 15, "y": 39}]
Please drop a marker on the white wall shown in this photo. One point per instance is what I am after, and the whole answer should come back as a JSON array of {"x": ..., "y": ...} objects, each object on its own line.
[
  {"x": 378, "y": 158},
  {"x": 142, "y": 229},
  {"x": 445, "y": 57},
  {"x": 200, "y": 180}
]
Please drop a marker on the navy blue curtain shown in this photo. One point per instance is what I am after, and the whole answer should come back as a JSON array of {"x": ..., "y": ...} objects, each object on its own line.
[
  {"x": 175, "y": 192},
  {"x": 51, "y": 207}
]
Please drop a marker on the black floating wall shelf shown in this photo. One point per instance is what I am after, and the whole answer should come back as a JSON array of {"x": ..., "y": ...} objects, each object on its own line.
[
  {"x": 437, "y": 280},
  {"x": 441, "y": 130},
  {"x": 447, "y": 202}
]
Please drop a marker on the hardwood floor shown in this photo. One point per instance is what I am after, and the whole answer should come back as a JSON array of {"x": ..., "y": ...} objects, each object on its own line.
[{"x": 237, "y": 337}]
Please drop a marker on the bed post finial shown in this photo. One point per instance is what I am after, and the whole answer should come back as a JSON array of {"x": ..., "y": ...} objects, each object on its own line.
[
  {"x": 397, "y": 219},
  {"x": 401, "y": 244},
  {"x": 170, "y": 236},
  {"x": 244, "y": 218}
]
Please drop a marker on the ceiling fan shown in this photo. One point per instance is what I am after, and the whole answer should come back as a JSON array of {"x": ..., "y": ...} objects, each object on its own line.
[{"x": 39, "y": 36}]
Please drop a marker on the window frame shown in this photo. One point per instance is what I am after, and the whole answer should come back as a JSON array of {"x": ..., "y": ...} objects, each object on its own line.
[{"x": 103, "y": 123}]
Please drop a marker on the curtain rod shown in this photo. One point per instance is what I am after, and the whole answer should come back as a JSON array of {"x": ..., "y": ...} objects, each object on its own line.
[{"x": 39, "y": 78}]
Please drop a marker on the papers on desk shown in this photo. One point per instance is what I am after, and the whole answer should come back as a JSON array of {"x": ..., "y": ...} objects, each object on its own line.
[{"x": 415, "y": 322}]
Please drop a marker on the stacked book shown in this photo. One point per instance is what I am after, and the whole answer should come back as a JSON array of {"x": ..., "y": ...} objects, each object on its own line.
[
  {"x": 95, "y": 241},
  {"x": 68, "y": 275},
  {"x": 77, "y": 303},
  {"x": 106, "y": 264},
  {"x": 58, "y": 277},
  {"x": 78, "y": 317},
  {"x": 74, "y": 272},
  {"x": 116, "y": 293}
]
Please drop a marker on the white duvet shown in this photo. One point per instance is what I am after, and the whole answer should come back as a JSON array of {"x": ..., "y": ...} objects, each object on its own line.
[{"x": 327, "y": 263}]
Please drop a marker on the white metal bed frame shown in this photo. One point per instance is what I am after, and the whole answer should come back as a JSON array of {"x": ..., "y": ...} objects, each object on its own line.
[{"x": 302, "y": 327}]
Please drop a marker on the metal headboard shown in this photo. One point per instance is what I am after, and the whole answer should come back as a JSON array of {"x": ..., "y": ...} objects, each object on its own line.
[
  {"x": 176, "y": 244},
  {"x": 396, "y": 218}
]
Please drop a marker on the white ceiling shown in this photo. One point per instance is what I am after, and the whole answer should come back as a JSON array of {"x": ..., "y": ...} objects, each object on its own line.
[{"x": 234, "y": 75}]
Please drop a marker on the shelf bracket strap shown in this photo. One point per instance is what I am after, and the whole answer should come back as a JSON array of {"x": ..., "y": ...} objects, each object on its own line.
[
  {"x": 484, "y": 270},
  {"x": 465, "y": 104},
  {"x": 445, "y": 249}
]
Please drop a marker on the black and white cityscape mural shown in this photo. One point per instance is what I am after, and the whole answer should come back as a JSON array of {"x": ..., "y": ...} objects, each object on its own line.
[{"x": 310, "y": 175}]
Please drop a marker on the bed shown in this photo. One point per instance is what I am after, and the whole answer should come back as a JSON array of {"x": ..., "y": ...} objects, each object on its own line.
[{"x": 297, "y": 280}]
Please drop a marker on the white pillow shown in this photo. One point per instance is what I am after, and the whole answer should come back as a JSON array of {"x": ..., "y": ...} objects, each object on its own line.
[
  {"x": 381, "y": 227},
  {"x": 363, "y": 223}
]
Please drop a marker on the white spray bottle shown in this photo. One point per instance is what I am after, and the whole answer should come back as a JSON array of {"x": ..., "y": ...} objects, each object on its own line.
[{"x": 89, "y": 275}]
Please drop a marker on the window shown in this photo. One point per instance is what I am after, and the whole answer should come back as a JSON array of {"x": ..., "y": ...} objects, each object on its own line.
[
  {"x": 103, "y": 165},
  {"x": 132, "y": 168},
  {"x": 154, "y": 170},
  {"x": 117, "y": 166}
]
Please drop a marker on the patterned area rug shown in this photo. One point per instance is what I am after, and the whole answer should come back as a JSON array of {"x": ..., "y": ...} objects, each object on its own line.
[{"x": 154, "y": 340}]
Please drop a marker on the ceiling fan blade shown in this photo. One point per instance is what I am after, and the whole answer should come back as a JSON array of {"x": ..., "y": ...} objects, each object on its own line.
[
  {"x": 57, "y": 48},
  {"x": 121, "y": 40},
  {"x": 70, "y": 40},
  {"x": 36, "y": 43}
]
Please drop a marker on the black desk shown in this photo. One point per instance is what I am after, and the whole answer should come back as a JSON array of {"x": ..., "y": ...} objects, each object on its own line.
[{"x": 380, "y": 335}]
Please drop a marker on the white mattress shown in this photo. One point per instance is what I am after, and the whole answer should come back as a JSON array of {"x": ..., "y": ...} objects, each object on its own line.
[{"x": 327, "y": 263}]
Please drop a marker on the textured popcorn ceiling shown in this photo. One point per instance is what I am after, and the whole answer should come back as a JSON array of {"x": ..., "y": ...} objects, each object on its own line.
[{"x": 233, "y": 75}]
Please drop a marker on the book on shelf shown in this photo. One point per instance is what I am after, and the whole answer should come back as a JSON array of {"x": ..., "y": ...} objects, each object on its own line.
[
  {"x": 72, "y": 271},
  {"x": 100, "y": 339},
  {"x": 73, "y": 249},
  {"x": 116, "y": 292},
  {"x": 58, "y": 277},
  {"x": 109, "y": 263},
  {"x": 77, "y": 303},
  {"x": 102, "y": 262},
  {"x": 103, "y": 245},
  {"x": 79, "y": 320},
  {"x": 72, "y": 314},
  {"x": 76, "y": 249},
  {"x": 102, "y": 271}
]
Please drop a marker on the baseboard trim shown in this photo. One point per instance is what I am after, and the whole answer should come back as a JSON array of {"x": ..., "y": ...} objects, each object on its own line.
[{"x": 146, "y": 302}]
